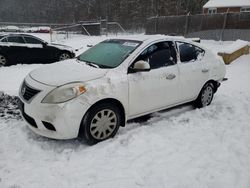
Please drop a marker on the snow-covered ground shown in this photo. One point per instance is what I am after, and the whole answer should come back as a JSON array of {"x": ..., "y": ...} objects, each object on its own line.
[{"x": 178, "y": 148}]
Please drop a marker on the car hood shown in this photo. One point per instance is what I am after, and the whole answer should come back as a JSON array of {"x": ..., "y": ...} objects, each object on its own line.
[
  {"x": 61, "y": 47},
  {"x": 65, "y": 72}
]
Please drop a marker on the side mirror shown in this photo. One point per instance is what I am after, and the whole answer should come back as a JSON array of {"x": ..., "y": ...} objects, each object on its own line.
[
  {"x": 140, "y": 66},
  {"x": 44, "y": 44}
]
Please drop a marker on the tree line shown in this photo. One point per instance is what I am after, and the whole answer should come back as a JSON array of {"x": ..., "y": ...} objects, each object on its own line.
[{"x": 130, "y": 13}]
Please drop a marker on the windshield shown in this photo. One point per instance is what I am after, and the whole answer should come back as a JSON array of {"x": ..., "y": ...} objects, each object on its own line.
[{"x": 110, "y": 53}]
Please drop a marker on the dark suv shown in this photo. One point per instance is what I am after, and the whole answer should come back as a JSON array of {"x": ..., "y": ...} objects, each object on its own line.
[{"x": 27, "y": 49}]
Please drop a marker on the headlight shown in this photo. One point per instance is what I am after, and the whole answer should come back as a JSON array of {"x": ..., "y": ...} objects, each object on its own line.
[{"x": 64, "y": 93}]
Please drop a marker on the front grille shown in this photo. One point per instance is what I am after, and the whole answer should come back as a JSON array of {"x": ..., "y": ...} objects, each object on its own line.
[
  {"x": 28, "y": 92},
  {"x": 29, "y": 119}
]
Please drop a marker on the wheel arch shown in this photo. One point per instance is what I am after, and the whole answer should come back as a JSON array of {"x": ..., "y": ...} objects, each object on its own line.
[
  {"x": 107, "y": 100},
  {"x": 60, "y": 52},
  {"x": 215, "y": 84},
  {"x": 114, "y": 102},
  {"x": 6, "y": 57}
]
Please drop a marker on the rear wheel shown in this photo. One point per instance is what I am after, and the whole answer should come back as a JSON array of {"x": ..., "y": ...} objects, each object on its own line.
[
  {"x": 3, "y": 60},
  {"x": 206, "y": 96},
  {"x": 100, "y": 123},
  {"x": 64, "y": 56}
]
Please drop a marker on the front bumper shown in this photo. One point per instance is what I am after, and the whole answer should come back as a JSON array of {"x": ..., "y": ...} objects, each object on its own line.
[{"x": 57, "y": 121}]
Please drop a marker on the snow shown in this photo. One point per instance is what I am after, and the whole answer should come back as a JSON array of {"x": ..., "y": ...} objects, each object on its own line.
[
  {"x": 12, "y": 77},
  {"x": 228, "y": 47},
  {"x": 226, "y": 3},
  {"x": 180, "y": 147},
  {"x": 239, "y": 44}
]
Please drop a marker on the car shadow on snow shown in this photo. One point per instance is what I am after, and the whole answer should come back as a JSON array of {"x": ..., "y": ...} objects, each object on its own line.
[
  {"x": 163, "y": 114},
  {"x": 150, "y": 119}
]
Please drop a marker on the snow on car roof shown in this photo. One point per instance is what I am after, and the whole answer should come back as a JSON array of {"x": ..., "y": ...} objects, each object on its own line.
[
  {"x": 147, "y": 37},
  {"x": 227, "y": 3}
]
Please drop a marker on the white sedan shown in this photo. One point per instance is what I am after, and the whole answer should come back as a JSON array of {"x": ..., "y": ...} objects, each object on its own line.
[{"x": 117, "y": 80}]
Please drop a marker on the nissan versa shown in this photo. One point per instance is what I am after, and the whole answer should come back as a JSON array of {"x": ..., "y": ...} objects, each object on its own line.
[{"x": 117, "y": 80}]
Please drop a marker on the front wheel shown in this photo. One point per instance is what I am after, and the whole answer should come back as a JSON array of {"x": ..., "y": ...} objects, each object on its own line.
[
  {"x": 3, "y": 60},
  {"x": 100, "y": 123},
  {"x": 64, "y": 56},
  {"x": 206, "y": 96}
]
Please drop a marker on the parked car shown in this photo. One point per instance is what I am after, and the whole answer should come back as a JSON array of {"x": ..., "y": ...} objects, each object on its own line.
[
  {"x": 22, "y": 48},
  {"x": 117, "y": 80},
  {"x": 10, "y": 28}
]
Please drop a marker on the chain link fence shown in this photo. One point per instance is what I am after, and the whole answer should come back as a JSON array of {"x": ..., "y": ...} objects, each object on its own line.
[{"x": 226, "y": 26}]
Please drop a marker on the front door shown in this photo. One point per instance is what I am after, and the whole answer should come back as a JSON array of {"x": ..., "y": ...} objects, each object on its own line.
[{"x": 158, "y": 88}]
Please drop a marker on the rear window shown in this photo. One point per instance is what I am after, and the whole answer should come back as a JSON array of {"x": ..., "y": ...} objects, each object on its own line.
[
  {"x": 189, "y": 52},
  {"x": 31, "y": 40},
  {"x": 3, "y": 39}
]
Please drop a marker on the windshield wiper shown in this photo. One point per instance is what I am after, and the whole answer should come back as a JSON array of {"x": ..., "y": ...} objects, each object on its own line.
[
  {"x": 88, "y": 63},
  {"x": 92, "y": 64}
]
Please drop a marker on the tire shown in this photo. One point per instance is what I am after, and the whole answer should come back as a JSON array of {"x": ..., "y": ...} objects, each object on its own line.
[
  {"x": 3, "y": 60},
  {"x": 100, "y": 123},
  {"x": 206, "y": 96},
  {"x": 64, "y": 56}
]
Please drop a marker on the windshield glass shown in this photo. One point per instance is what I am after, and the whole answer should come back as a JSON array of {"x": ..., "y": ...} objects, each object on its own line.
[{"x": 109, "y": 53}]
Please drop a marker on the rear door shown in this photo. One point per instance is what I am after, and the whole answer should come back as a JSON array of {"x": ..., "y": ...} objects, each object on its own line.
[
  {"x": 194, "y": 72},
  {"x": 37, "y": 50}
]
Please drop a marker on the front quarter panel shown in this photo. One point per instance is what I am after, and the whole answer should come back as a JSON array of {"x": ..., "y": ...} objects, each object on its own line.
[{"x": 112, "y": 86}]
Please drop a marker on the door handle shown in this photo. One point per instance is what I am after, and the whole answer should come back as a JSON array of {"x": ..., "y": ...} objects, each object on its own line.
[
  {"x": 205, "y": 70},
  {"x": 170, "y": 76}
]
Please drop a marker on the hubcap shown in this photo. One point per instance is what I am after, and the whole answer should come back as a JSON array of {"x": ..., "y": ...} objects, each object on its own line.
[
  {"x": 64, "y": 56},
  {"x": 103, "y": 124},
  {"x": 207, "y": 96},
  {"x": 2, "y": 60}
]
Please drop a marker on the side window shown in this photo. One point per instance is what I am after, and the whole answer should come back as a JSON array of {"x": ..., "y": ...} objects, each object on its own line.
[
  {"x": 16, "y": 39},
  {"x": 189, "y": 52},
  {"x": 31, "y": 40},
  {"x": 4, "y": 40},
  {"x": 159, "y": 55}
]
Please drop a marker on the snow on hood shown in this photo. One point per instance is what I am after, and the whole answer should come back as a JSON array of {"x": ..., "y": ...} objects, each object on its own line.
[
  {"x": 62, "y": 47},
  {"x": 67, "y": 71}
]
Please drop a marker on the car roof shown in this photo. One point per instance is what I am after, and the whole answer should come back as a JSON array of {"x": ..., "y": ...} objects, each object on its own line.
[
  {"x": 154, "y": 38},
  {"x": 16, "y": 34}
]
